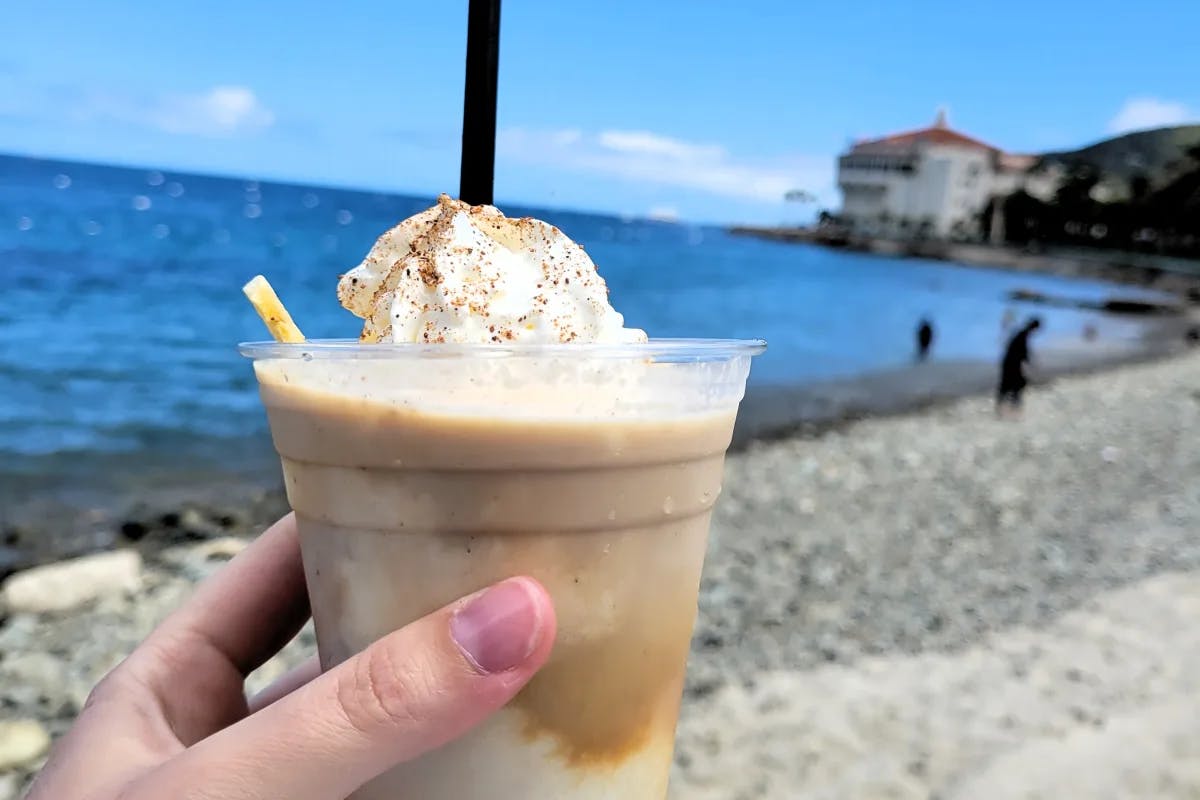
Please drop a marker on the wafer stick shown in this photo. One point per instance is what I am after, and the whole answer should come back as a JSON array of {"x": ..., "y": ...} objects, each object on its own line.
[{"x": 267, "y": 304}]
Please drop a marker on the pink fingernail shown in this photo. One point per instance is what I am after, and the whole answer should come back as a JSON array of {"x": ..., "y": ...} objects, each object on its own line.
[{"x": 498, "y": 629}]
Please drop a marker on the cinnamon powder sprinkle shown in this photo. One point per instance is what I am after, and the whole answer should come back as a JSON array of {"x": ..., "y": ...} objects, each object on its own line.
[{"x": 431, "y": 278}]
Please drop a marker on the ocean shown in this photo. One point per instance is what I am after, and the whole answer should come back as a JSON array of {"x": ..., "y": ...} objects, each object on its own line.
[{"x": 122, "y": 306}]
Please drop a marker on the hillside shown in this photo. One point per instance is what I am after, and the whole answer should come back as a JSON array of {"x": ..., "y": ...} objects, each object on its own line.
[
  {"x": 1138, "y": 193},
  {"x": 1160, "y": 155}
]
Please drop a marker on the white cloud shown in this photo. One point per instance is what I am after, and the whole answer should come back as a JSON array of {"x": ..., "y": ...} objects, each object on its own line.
[
  {"x": 649, "y": 158},
  {"x": 664, "y": 213},
  {"x": 651, "y": 144},
  {"x": 566, "y": 137},
  {"x": 1140, "y": 113},
  {"x": 220, "y": 111}
]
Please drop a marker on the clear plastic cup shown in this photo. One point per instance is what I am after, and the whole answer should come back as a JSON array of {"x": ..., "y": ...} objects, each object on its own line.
[{"x": 422, "y": 473}]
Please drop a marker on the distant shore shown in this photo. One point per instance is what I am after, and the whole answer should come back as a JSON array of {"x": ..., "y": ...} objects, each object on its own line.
[{"x": 1175, "y": 275}]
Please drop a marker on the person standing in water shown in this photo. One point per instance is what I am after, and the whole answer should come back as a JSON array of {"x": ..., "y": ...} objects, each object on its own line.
[
  {"x": 924, "y": 338},
  {"x": 1012, "y": 369}
]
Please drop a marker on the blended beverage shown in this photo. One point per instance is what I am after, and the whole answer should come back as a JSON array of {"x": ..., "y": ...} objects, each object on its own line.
[{"x": 568, "y": 448}]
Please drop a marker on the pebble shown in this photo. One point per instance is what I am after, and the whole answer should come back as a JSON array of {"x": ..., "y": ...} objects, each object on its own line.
[
  {"x": 199, "y": 561},
  {"x": 22, "y": 741},
  {"x": 10, "y": 560},
  {"x": 195, "y": 525},
  {"x": 70, "y": 584},
  {"x": 38, "y": 680}
]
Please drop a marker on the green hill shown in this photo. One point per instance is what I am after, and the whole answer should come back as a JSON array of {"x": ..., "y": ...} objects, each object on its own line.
[
  {"x": 1161, "y": 155},
  {"x": 1137, "y": 193}
]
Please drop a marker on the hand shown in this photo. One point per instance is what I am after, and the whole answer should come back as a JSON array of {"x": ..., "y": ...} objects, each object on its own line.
[{"x": 172, "y": 720}]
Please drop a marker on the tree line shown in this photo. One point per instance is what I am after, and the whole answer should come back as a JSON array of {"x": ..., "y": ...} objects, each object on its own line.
[{"x": 1164, "y": 220}]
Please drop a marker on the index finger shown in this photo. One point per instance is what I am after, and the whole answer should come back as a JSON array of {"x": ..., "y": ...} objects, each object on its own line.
[
  {"x": 186, "y": 680},
  {"x": 248, "y": 610}
]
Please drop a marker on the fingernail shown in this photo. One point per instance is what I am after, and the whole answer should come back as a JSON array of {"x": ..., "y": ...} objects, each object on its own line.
[{"x": 498, "y": 629}]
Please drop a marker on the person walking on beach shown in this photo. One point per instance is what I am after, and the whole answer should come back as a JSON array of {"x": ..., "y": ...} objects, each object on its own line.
[
  {"x": 924, "y": 338},
  {"x": 1012, "y": 369}
]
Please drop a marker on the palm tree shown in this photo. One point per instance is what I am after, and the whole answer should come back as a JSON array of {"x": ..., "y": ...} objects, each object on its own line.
[{"x": 800, "y": 196}]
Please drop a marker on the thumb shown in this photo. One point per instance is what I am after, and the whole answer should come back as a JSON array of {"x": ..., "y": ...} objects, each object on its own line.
[{"x": 410, "y": 692}]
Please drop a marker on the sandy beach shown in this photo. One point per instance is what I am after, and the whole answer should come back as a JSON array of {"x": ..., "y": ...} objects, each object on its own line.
[
  {"x": 944, "y": 605},
  {"x": 938, "y": 604}
]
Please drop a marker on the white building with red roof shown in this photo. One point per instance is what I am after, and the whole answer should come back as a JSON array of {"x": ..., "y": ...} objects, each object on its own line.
[{"x": 932, "y": 182}]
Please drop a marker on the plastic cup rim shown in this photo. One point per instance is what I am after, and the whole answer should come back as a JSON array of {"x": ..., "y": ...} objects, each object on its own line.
[{"x": 671, "y": 349}]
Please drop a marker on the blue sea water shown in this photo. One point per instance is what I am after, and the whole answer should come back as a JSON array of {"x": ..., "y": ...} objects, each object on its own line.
[{"x": 122, "y": 305}]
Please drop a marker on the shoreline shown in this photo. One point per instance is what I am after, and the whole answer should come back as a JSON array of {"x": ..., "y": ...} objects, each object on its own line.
[
  {"x": 769, "y": 413},
  {"x": 1176, "y": 276},
  {"x": 46, "y": 518}
]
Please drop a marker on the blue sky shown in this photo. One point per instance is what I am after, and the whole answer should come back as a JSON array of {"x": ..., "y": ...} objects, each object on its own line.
[{"x": 707, "y": 109}]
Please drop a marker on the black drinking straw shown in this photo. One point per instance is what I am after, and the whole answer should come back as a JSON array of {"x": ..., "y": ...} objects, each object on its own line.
[{"x": 479, "y": 103}]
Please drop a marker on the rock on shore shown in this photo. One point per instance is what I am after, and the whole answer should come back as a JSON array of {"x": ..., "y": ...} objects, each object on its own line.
[
  {"x": 73, "y": 583},
  {"x": 937, "y": 605}
]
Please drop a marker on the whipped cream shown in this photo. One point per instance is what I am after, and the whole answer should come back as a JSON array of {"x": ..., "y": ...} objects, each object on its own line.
[{"x": 468, "y": 274}]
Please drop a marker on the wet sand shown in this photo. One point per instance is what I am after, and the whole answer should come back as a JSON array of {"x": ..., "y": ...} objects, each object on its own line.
[{"x": 775, "y": 412}]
